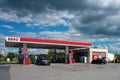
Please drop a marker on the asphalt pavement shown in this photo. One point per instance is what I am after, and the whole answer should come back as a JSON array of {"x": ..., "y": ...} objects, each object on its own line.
[
  {"x": 5, "y": 72},
  {"x": 77, "y": 71}
]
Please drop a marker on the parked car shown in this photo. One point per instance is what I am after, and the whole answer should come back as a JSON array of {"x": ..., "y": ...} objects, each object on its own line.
[
  {"x": 42, "y": 61},
  {"x": 100, "y": 61},
  {"x": 59, "y": 60}
]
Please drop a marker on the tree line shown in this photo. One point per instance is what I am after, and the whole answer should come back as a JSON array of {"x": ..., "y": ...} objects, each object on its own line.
[{"x": 14, "y": 57}]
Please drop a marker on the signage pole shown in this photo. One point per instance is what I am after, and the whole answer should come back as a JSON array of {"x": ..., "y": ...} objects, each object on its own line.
[{"x": 66, "y": 54}]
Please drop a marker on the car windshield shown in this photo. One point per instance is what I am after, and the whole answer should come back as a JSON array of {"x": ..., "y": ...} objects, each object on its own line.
[{"x": 43, "y": 58}]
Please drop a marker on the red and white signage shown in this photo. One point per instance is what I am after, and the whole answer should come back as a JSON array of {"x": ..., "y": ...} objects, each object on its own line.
[
  {"x": 13, "y": 39},
  {"x": 95, "y": 56},
  {"x": 26, "y": 57},
  {"x": 71, "y": 59}
]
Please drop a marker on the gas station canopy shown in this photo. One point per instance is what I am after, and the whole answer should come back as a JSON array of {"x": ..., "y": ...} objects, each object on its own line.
[{"x": 18, "y": 42}]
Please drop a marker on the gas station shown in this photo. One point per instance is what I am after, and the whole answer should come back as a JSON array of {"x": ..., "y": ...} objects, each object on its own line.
[{"x": 70, "y": 48}]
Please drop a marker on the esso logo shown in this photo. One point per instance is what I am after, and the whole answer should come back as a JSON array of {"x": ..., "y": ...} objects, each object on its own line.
[
  {"x": 13, "y": 39},
  {"x": 26, "y": 50}
]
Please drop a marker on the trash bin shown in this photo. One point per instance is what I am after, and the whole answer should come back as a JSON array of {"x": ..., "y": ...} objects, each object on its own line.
[
  {"x": 8, "y": 59},
  {"x": 85, "y": 59}
]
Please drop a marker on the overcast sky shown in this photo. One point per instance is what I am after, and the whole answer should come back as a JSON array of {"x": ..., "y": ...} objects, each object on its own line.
[{"x": 94, "y": 21}]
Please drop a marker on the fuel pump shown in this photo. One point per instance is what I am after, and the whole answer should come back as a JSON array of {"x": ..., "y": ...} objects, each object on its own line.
[
  {"x": 26, "y": 57},
  {"x": 71, "y": 59}
]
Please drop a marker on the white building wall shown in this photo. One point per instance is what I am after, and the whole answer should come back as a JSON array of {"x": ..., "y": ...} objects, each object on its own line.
[
  {"x": 110, "y": 57},
  {"x": 97, "y": 50}
]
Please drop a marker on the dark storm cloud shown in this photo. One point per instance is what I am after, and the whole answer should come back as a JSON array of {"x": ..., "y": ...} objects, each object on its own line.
[
  {"x": 94, "y": 16},
  {"x": 91, "y": 16},
  {"x": 109, "y": 30},
  {"x": 35, "y": 6},
  {"x": 98, "y": 30},
  {"x": 40, "y": 5},
  {"x": 23, "y": 7}
]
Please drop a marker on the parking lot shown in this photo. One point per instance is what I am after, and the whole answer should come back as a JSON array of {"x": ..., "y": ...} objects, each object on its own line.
[{"x": 77, "y": 71}]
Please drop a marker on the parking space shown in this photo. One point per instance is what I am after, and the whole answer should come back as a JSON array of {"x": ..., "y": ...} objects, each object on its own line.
[{"x": 77, "y": 71}]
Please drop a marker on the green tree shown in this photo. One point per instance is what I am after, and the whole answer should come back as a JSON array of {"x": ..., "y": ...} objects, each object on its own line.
[
  {"x": 61, "y": 55},
  {"x": 43, "y": 55},
  {"x": 116, "y": 58},
  {"x": 50, "y": 55},
  {"x": 10, "y": 55},
  {"x": 1, "y": 55},
  {"x": 32, "y": 56}
]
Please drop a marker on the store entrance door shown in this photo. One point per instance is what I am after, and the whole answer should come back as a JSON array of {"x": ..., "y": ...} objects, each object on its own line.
[{"x": 81, "y": 57}]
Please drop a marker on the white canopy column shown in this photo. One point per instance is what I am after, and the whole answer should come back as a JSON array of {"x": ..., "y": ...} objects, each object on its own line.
[{"x": 66, "y": 54}]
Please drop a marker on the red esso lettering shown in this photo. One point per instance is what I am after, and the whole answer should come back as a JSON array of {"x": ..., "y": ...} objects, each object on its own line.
[
  {"x": 16, "y": 39},
  {"x": 9, "y": 39},
  {"x": 12, "y": 39}
]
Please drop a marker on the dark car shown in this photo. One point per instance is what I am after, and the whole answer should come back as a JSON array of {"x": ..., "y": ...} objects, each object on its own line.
[
  {"x": 104, "y": 61},
  {"x": 42, "y": 61},
  {"x": 59, "y": 60},
  {"x": 100, "y": 61}
]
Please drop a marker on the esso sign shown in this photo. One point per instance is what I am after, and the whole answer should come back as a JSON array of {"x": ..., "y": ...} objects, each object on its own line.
[
  {"x": 13, "y": 39},
  {"x": 26, "y": 51}
]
